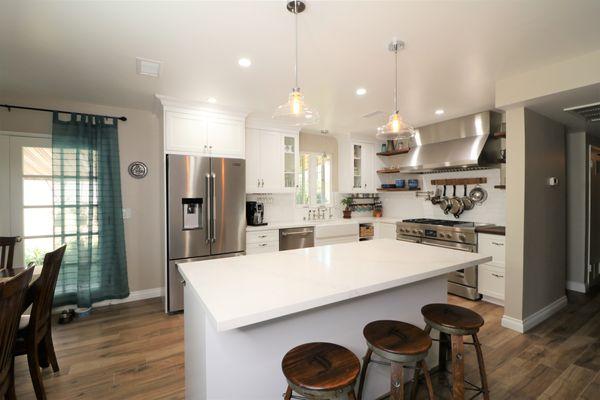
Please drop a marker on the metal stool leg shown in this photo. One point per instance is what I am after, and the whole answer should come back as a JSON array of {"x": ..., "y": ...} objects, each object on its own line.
[
  {"x": 482, "y": 374},
  {"x": 363, "y": 373},
  {"x": 458, "y": 367}
]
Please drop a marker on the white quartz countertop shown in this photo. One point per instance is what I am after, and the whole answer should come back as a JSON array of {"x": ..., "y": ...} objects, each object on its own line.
[
  {"x": 334, "y": 221},
  {"x": 242, "y": 291}
]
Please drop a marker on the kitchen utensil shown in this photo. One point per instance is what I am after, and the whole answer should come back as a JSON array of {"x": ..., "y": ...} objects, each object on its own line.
[
  {"x": 478, "y": 195},
  {"x": 400, "y": 183},
  {"x": 437, "y": 196},
  {"x": 456, "y": 206},
  {"x": 444, "y": 202},
  {"x": 467, "y": 202}
]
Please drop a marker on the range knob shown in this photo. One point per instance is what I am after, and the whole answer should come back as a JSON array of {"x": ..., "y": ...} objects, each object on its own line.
[
  {"x": 415, "y": 231},
  {"x": 462, "y": 237}
]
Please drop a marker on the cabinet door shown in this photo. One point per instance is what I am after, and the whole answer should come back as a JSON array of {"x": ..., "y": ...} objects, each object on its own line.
[
  {"x": 385, "y": 230},
  {"x": 290, "y": 161},
  {"x": 271, "y": 178},
  {"x": 367, "y": 167},
  {"x": 226, "y": 137},
  {"x": 252, "y": 160},
  {"x": 185, "y": 133},
  {"x": 357, "y": 167}
]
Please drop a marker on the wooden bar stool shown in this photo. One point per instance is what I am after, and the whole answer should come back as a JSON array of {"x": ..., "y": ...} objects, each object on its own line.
[
  {"x": 320, "y": 371},
  {"x": 453, "y": 323},
  {"x": 399, "y": 344}
]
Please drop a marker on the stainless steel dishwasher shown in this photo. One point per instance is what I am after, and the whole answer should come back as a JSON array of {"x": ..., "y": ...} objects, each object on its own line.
[{"x": 296, "y": 238}]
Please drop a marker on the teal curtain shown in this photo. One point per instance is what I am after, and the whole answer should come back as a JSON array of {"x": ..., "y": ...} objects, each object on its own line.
[{"x": 88, "y": 213}]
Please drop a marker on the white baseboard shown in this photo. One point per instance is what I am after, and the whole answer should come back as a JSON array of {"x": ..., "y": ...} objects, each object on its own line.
[
  {"x": 133, "y": 296},
  {"x": 534, "y": 319},
  {"x": 492, "y": 300},
  {"x": 576, "y": 286}
]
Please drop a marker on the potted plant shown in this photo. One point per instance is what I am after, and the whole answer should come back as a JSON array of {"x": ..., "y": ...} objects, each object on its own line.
[{"x": 347, "y": 201}]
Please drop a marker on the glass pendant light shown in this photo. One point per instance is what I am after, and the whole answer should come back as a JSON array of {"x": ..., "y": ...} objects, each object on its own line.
[
  {"x": 295, "y": 111},
  {"x": 396, "y": 127}
]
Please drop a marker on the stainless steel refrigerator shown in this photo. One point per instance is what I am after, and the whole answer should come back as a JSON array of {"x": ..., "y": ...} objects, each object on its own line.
[{"x": 206, "y": 214}]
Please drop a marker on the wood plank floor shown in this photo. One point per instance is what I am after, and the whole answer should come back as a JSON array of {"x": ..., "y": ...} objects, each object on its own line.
[{"x": 135, "y": 351}]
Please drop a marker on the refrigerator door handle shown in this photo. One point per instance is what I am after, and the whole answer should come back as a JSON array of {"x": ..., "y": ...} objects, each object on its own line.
[
  {"x": 213, "y": 202},
  {"x": 208, "y": 207}
]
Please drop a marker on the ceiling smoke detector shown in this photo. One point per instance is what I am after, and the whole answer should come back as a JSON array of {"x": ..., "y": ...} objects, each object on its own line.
[
  {"x": 589, "y": 112},
  {"x": 147, "y": 67}
]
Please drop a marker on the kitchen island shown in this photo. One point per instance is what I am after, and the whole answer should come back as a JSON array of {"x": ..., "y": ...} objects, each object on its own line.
[{"x": 243, "y": 314}]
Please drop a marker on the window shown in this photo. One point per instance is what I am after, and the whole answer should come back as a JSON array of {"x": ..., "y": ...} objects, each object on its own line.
[{"x": 314, "y": 180}]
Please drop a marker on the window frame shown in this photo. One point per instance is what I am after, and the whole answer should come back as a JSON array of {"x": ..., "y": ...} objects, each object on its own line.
[{"x": 312, "y": 179}]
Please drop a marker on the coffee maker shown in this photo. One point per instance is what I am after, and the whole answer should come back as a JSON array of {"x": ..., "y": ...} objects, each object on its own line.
[{"x": 255, "y": 213}]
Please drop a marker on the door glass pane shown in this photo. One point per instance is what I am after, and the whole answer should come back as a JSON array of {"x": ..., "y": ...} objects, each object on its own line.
[
  {"x": 302, "y": 193},
  {"x": 289, "y": 158},
  {"x": 37, "y": 161},
  {"x": 323, "y": 192},
  {"x": 37, "y": 192},
  {"x": 35, "y": 249},
  {"x": 38, "y": 221},
  {"x": 357, "y": 172}
]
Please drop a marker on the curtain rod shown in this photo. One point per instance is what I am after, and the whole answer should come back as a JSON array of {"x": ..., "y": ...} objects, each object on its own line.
[{"x": 9, "y": 106}]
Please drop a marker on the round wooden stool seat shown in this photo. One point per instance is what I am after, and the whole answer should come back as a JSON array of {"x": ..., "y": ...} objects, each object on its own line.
[
  {"x": 452, "y": 319},
  {"x": 318, "y": 368},
  {"x": 397, "y": 341}
]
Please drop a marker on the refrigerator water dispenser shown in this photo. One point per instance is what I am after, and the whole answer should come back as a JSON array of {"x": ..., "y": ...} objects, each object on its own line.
[{"x": 192, "y": 213}]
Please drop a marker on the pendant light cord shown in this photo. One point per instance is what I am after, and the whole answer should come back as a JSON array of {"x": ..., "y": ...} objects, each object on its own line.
[
  {"x": 396, "y": 85},
  {"x": 296, "y": 28}
]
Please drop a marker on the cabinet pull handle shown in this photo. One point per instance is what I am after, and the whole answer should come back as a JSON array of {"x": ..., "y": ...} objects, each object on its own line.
[
  {"x": 498, "y": 244},
  {"x": 262, "y": 236},
  {"x": 262, "y": 244},
  {"x": 497, "y": 275},
  {"x": 262, "y": 183},
  {"x": 258, "y": 183}
]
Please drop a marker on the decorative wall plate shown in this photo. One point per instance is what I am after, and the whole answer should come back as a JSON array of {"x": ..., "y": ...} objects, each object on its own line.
[{"x": 138, "y": 169}]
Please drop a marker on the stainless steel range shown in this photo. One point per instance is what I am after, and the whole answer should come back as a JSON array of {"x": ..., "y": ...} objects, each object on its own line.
[{"x": 456, "y": 235}]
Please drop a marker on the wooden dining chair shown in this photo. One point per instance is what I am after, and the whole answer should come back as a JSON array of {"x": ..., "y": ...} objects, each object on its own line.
[
  {"x": 12, "y": 295},
  {"x": 7, "y": 250},
  {"x": 34, "y": 337}
]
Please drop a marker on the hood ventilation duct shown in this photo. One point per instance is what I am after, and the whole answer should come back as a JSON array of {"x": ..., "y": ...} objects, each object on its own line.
[{"x": 460, "y": 144}]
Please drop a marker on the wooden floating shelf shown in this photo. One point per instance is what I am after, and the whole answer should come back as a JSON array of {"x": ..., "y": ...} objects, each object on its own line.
[
  {"x": 388, "y": 171},
  {"x": 500, "y": 135},
  {"x": 396, "y": 189},
  {"x": 459, "y": 181},
  {"x": 500, "y": 187},
  {"x": 393, "y": 152}
]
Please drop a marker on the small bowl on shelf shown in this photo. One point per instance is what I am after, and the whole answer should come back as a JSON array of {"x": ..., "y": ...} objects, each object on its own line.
[
  {"x": 400, "y": 183},
  {"x": 413, "y": 184}
]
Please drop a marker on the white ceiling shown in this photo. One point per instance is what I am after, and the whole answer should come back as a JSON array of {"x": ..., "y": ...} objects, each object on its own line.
[{"x": 456, "y": 50}]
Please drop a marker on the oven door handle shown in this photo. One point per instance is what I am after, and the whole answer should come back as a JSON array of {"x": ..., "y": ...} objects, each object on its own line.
[{"x": 458, "y": 246}]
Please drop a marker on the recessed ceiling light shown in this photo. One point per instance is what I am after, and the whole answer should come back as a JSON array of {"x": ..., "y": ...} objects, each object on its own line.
[
  {"x": 147, "y": 67},
  {"x": 211, "y": 100},
  {"x": 361, "y": 91},
  {"x": 244, "y": 62},
  {"x": 439, "y": 112}
]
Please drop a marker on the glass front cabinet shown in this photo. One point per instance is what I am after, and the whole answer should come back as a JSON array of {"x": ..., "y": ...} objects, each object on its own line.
[{"x": 290, "y": 161}]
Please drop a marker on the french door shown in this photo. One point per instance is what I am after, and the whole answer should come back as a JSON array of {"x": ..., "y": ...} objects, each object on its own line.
[{"x": 28, "y": 177}]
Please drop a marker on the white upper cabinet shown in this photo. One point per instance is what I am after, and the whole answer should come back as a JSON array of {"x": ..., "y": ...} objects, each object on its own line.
[
  {"x": 271, "y": 159},
  {"x": 357, "y": 167},
  {"x": 198, "y": 130}
]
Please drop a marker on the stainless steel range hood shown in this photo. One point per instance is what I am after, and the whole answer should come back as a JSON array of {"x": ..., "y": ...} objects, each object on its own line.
[{"x": 459, "y": 144}]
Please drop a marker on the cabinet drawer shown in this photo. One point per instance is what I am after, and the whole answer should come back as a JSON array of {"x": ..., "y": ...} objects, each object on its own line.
[
  {"x": 262, "y": 247},
  {"x": 493, "y": 246},
  {"x": 491, "y": 281},
  {"x": 262, "y": 236}
]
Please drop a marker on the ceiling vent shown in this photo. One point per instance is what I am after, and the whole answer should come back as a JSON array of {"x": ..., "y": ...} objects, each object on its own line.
[
  {"x": 147, "y": 67},
  {"x": 589, "y": 112},
  {"x": 372, "y": 114}
]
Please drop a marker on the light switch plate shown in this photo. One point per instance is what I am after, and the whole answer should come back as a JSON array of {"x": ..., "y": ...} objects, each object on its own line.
[
  {"x": 126, "y": 213},
  {"x": 552, "y": 181}
]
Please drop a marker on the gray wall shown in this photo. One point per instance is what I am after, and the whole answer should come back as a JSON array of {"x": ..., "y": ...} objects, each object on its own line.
[
  {"x": 139, "y": 139},
  {"x": 536, "y": 213}
]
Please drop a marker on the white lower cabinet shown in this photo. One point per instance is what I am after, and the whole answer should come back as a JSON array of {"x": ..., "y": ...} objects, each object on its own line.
[
  {"x": 258, "y": 242},
  {"x": 491, "y": 276},
  {"x": 385, "y": 230},
  {"x": 334, "y": 234}
]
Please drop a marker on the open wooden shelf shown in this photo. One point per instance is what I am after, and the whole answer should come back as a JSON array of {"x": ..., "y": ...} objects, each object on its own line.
[
  {"x": 404, "y": 189},
  {"x": 388, "y": 171},
  {"x": 500, "y": 135},
  {"x": 499, "y": 186},
  {"x": 458, "y": 182},
  {"x": 393, "y": 152}
]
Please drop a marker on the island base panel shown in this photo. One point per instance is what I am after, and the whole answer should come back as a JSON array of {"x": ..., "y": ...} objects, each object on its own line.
[{"x": 245, "y": 363}]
